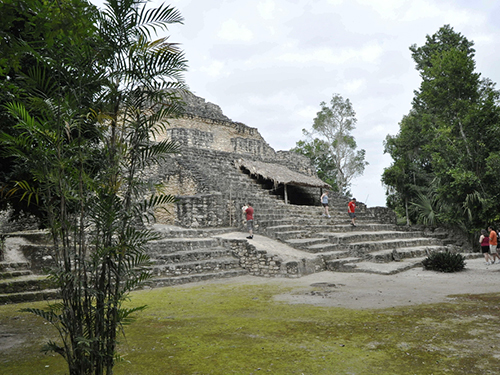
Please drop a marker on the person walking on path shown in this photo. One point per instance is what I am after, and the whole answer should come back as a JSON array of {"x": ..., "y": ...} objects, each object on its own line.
[
  {"x": 324, "y": 202},
  {"x": 493, "y": 245},
  {"x": 484, "y": 240},
  {"x": 248, "y": 209},
  {"x": 351, "y": 209}
]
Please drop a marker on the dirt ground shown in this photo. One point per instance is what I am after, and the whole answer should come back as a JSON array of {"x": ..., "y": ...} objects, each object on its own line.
[
  {"x": 370, "y": 291},
  {"x": 356, "y": 290}
]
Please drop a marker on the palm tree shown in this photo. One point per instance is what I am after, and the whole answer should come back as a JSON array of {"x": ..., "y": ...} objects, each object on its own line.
[{"x": 94, "y": 208}]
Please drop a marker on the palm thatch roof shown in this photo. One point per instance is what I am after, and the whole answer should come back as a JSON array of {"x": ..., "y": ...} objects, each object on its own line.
[{"x": 280, "y": 174}]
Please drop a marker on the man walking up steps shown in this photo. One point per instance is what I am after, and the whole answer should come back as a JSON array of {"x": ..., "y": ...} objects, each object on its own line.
[{"x": 351, "y": 210}]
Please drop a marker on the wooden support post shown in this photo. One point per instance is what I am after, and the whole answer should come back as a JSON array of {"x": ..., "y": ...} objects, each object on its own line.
[{"x": 286, "y": 194}]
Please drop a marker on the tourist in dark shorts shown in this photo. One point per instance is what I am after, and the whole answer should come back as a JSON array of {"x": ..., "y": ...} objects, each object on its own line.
[
  {"x": 484, "y": 240},
  {"x": 324, "y": 202},
  {"x": 351, "y": 210},
  {"x": 248, "y": 210}
]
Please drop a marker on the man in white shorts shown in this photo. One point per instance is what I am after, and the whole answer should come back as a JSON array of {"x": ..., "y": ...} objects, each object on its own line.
[{"x": 493, "y": 246}]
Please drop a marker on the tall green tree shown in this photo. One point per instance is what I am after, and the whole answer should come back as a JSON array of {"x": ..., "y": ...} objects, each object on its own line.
[
  {"x": 317, "y": 150},
  {"x": 449, "y": 138},
  {"x": 52, "y": 39},
  {"x": 331, "y": 146},
  {"x": 93, "y": 189}
]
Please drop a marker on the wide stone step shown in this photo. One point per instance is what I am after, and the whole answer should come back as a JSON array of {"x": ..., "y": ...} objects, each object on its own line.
[
  {"x": 361, "y": 227},
  {"x": 14, "y": 274},
  {"x": 326, "y": 224},
  {"x": 342, "y": 264},
  {"x": 191, "y": 256},
  {"x": 384, "y": 256},
  {"x": 304, "y": 243},
  {"x": 351, "y": 237},
  {"x": 386, "y": 268},
  {"x": 24, "y": 284},
  {"x": 291, "y": 234},
  {"x": 284, "y": 227},
  {"x": 36, "y": 295},
  {"x": 322, "y": 247},
  {"x": 390, "y": 268},
  {"x": 171, "y": 231},
  {"x": 187, "y": 268},
  {"x": 362, "y": 248},
  {"x": 170, "y": 245},
  {"x": 336, "y": 254},
  {"x": 184, "y": 279},
  {"x": 11, "y": 266}
]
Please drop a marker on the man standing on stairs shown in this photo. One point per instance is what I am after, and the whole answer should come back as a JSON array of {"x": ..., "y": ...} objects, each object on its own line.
[
  {"x": 351, "y": 209},
  {"x": 324, "y": 202},
  {"x": 248, "y": 209}
]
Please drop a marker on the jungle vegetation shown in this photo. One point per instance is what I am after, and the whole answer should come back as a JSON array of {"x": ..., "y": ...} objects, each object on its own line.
[{"x": 446, "y": 155}]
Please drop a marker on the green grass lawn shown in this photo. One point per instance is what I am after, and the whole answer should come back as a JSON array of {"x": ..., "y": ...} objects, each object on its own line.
[{"x": 241, "y": 329}]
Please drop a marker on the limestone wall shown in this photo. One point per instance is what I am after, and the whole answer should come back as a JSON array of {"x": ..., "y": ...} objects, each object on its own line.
[{"x": 195, "y": 131}]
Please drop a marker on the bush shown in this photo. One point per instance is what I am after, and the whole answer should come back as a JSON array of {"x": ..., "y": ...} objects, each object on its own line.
[{"x": 444, "y": 262}]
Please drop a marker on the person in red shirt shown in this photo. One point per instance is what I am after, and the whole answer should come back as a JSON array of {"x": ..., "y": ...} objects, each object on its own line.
[
  {"x": 493, "y": 245},
  {"x": 484, "y": 240},
  {"x": 351, "y": 209},
  {"x": 248, "y": 209}
]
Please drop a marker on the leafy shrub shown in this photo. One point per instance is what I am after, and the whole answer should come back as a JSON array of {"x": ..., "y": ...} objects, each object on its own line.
[{"x": 444, "y": 262}]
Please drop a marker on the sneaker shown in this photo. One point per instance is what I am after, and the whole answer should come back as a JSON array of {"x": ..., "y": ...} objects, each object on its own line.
[
  {"x": 250, "y": 237},
  {"x": 330, "y": 217}
]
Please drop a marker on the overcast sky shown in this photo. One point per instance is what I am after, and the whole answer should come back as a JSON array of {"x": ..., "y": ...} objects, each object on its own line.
[{"x": 269, "y": 63}]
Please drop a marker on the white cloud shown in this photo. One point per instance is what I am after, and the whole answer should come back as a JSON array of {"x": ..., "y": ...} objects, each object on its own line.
[
  {"x": 386, "y": 9},
  {"x": 267, "y": 9},
  {"x": 449, "y": 14},
  {"x": 353, "y": 86},
  {"x": 308, "y": 113},
  {"x": 214, "y": 69},
  {"x": 280, "y": 99},
  {"x": 369, "y": 53},
  {"x": 232, "y": 30}
]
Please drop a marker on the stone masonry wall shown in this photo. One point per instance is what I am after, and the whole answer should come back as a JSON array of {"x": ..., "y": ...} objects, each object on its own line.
[
  {"x": 260, "y": 263},
  {"x": 195, "y": 131}
]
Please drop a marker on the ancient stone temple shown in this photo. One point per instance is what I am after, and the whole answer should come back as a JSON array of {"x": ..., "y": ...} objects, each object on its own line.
[
  {"x": 221, "y": 166},
  {"x": 208, "y": 176}
]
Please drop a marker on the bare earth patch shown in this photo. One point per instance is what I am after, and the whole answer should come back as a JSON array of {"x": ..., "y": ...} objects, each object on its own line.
[{"x": 371, "y": 291}]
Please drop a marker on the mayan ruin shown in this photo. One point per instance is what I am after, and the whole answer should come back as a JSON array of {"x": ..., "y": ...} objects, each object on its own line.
[{"x": 223, "y": 165}]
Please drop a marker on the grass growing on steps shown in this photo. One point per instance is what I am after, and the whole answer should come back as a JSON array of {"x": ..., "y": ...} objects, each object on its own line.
[{"x": 240, "y": 329}]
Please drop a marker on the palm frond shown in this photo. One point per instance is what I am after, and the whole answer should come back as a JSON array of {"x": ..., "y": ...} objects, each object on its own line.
[
  {"x": 49, "y": 316},
  {"x": 151, "y": 19}
]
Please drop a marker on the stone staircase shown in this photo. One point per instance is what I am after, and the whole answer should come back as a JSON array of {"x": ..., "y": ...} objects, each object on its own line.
[
  {"x": 21, "y": 279},
  {"x": 189, "y": 255},
  {"x": 371, "y": 246},
  {"x": 298, "y": 240},
  {"x": 19, "y": 284}
]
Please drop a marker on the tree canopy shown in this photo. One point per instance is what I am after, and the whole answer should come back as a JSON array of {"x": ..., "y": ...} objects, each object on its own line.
[
  {"x": 331, "y": 146},
  {"x": 445, "y": 156}
]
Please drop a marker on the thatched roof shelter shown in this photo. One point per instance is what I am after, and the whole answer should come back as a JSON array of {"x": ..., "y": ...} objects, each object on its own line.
[{"x": 280, "y": 174}]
